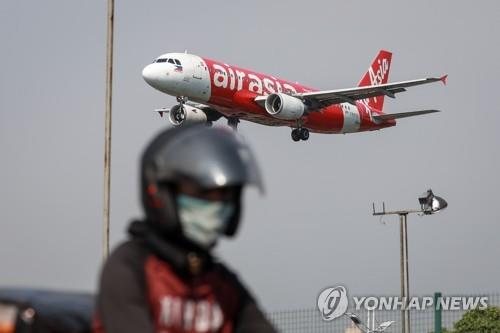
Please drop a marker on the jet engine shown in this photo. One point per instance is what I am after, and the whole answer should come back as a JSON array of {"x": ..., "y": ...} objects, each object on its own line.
[
  {"x": 283, "y": 106},
  {"x": 186, "y": 115}
]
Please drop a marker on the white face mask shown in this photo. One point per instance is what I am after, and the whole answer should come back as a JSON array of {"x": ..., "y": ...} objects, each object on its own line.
[{"x": 202, "y": 221}]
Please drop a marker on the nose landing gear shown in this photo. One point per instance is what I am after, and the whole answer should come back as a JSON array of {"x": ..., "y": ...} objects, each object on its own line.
[
  {"x": 182, "y": 99},
  {"x": 180, "y": 115},
  {"x": 300, "y": 134}
]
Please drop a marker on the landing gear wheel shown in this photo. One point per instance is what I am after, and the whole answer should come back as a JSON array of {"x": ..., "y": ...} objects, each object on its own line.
[
  {"x": 300, "y": 134},
  {"x": 233, "y": 122},
  {"x": 304, "y": 134},
  {"x": 295, "y": 135}
]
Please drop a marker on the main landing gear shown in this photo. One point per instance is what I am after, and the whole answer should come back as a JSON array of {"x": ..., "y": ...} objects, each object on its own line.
[
  {"x": 300, "y": 134},
  {"x": 233, "y": 122}
]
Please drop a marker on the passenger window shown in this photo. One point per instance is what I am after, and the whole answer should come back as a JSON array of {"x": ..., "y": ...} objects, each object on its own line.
[{"x": 171, "y": 61}]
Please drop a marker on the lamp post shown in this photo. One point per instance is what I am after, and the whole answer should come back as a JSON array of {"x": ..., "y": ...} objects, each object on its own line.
[
  {"x": 429, "y": 204},
  {"x": 364, "y": 328}
]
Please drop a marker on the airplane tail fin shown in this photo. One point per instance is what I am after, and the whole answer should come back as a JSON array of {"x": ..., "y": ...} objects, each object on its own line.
[{"x": 378, "y": 73}]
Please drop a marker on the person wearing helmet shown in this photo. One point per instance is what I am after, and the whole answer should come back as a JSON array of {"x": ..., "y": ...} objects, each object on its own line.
[{"x": 165, "y": 278}]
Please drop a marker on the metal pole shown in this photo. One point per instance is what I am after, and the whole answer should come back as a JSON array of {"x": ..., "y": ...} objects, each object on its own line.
[
  {"x": 107, "y": 134},
  {"x": 437, "y": 313},
  {"x": 402, "y": 267},
  {"x": 407, "y": 273}
]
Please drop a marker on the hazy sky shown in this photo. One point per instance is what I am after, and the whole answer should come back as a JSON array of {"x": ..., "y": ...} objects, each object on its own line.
[{"x": 313, "y": 228}]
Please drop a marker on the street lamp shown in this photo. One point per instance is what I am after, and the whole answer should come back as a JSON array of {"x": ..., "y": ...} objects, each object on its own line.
[
  {"x": 429, "y": 204},
  {"x": 363, "y": 327}
]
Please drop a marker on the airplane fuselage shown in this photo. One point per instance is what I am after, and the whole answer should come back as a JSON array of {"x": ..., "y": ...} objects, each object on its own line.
[{"x": 231, "y": 91}]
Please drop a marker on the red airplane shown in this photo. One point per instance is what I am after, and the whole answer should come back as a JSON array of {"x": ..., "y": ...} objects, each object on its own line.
[{"x": 208, "y": 90}]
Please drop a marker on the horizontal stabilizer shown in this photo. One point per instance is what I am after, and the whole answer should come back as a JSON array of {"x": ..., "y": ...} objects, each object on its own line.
[{"x": 384, "y": 117}]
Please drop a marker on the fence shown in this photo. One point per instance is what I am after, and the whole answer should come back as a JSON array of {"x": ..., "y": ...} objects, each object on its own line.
[{"x": 310, "y": 321}]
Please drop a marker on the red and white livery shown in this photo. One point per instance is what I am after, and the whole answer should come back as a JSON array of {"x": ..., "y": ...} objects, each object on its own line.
[{"x": 208, "y": 90}]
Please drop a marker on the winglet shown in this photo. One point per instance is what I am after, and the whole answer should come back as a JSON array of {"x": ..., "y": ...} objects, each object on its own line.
[{"x": 444, "y": 78}]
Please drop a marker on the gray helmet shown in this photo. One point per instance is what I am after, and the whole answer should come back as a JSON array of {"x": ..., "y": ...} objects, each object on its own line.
[{"x": 210, "y": 157}]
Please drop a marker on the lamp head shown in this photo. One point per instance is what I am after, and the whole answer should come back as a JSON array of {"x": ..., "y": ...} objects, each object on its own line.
[{"x": 430, "y": 203}]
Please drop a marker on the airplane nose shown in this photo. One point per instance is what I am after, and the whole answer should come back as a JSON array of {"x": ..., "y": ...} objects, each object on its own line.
[
  {"x": 149, "y": 74},
  {"x": 158, "y": 77}
]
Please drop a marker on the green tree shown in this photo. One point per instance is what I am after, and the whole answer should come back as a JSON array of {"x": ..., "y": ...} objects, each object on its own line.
[{"x": 479, "y": 321}]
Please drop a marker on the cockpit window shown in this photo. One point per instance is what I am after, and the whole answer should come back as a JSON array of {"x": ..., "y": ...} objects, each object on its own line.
[
  {"x": 171, "y": 61},
  {"x": 161, "y": 60},
  {"x": 177, "y": 62}
]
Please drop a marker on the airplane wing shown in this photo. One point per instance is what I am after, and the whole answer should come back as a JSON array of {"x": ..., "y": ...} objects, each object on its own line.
[
  {"x": 321, "y": 99},
  {"x": 162, "y": 111},
  {"x": 198, "y": 105},
  {"x": 212, "y": 114},
  {"x": 389, "y": 116}
]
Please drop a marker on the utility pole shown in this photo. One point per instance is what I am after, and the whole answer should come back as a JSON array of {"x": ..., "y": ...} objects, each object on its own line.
[{"x": 107, "y": 134}]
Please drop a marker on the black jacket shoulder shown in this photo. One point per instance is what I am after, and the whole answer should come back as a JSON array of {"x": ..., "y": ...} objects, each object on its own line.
[{"x": 123, "y": 291}]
